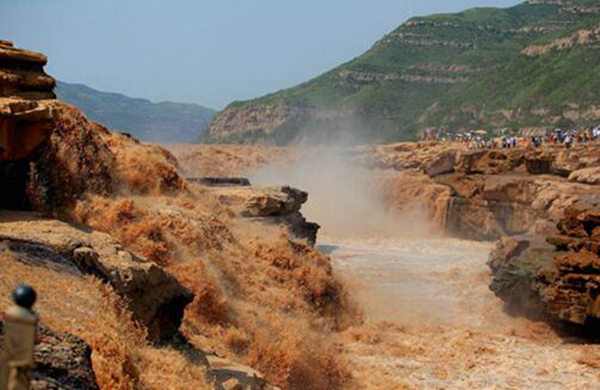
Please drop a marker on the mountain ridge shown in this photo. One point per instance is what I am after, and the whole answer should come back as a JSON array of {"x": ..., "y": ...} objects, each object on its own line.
[
  {"x": 531, "y": 65},
  {"x": 150, "y": 121}
]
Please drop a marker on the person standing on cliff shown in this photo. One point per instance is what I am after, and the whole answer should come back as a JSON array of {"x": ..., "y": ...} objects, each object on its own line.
[
  {"x": 20, "y": 331},
  {"x": 568, "y": 140}
]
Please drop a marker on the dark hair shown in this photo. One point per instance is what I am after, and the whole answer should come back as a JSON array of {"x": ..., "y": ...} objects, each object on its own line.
[{"x": 24, "y": 296}]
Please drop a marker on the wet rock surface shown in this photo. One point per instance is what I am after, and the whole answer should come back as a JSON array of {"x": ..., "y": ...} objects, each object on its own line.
[
  {"x": 63, "y": 361},
  {"x": 494, "y": 193},
  {"x": 558, "y": 277},
  {"x": 155, "y": 298},
  {"x": 516, "y": 264},
  {"x": 220, "y": 181},
  {"x": 278, "y": 205}
]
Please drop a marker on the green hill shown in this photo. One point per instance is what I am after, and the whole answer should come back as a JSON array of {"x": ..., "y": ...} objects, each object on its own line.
[
  {"x": 153, "y": 122},
  {"x": 532, "y": 65}
]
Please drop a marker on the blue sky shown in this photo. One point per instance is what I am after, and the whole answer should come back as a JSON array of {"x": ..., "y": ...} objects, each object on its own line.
[{"x": 209, "y": 52}]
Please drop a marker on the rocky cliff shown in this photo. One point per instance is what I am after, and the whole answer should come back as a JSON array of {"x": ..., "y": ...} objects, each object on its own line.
[
  {"x": 156, "y": 273},
  {"x": 480, "y": 194},
  {"x": 487, "y": 194},
  {"x": 26, "y": 94},
  {"x": 556, "y": 277},
  {"x": 542, "y": 205},
  {"x": 22, "y": 73},
  {"x": 438, "y": 72}
]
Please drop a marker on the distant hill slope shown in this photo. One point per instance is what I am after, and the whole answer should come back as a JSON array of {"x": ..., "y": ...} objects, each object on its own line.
[
  {"x": 532, "y": 65},
  {"x": 154, "y": 122}
]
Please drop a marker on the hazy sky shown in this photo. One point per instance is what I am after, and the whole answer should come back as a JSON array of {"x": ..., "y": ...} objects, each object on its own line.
[{"x": 209, "y": 52}]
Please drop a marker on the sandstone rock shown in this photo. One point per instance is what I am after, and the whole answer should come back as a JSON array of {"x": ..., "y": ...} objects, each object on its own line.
[
  {"x": 490, "y": 206},
  {"x": 513, "y": 189},
  {"x": 22, "y": 74},
  {"x": 155, "y": 298},
  {"x": 515, "y": 273},
  {"x": 233, "y": 376},
  {"x": 586, "y": 176},
  {"x": 506, "y": 249},
  {"x": 488, "y": 161},
  {"x": 565, "y": 163},
  {"x": 63, "y": 361},
  {"x": 51, "y": 154},
  {"x": 488, "y": 220},
  {"x": 263, "y": 202},
  {"x": 220, "y": 181},
  {"x": 280, "y": 205},
  {"x": 298, "y": 226},
  {"x": 253, "y": 121},
  {"x": 443, "y": 163},
  {"x": 538, "y": 165},
  {"x": 487, "y": 207},
  {"x": 24, "y": 125},
  {"x": 560, "y": 280},
  {"x": 81, "y": 157},
  {"x": 493, "y": 193}
]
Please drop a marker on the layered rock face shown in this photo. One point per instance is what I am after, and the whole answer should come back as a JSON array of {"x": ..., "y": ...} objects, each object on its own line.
[
  {"x": 22, "y": 74},
  {"x": 493, "y": 193},
  {"x": 25, "y": 113},
  {"x": 559, "y": 278},
  {"x": 26, "y": 117},
  {"x": 252, "y": 122},
  {"x": 274, "y": 205}
]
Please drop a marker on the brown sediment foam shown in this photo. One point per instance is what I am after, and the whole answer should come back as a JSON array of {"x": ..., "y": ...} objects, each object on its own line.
[
  {"x": 477, "y": 346},
  {"x": 268, "y": 302}
]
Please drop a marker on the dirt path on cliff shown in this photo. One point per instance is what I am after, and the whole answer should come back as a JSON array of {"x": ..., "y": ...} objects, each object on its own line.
[{"x": 432, "y": 323}]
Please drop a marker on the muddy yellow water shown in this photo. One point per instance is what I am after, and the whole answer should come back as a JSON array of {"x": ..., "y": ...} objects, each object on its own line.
[{"x": 432, "y": 323}]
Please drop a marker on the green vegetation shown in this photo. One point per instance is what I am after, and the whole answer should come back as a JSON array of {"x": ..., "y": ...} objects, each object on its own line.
[
  {"x": 459, "y": 72},
  {"x": 154, "y": 122}
]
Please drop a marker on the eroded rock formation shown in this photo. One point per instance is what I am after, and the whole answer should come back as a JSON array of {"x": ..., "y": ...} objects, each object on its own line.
[
  {"x": 22, "y": 74},
  {"x": 155, "y": 298},
  {"x": 558, "y": 276},
  {"x": 493, "y": 193},
  {"x": 26, "y": 117},
  {"x": 275, "y": 205},
  {"x": 130, "y": 218}
]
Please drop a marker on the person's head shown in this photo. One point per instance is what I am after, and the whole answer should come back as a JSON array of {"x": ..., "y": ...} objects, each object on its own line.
[{"x": 24, "y": 296}]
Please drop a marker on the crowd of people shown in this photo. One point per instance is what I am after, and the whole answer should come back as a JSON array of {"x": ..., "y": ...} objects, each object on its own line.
[{"x": 480, "y": 139}]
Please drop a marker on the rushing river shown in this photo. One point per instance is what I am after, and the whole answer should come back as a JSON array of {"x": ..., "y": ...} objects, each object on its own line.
[
  {"x": 430, "y": 320},
  {"x": 450, "y": 331}
]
